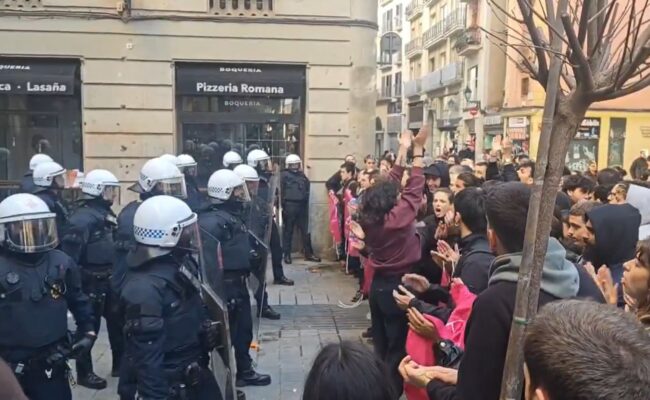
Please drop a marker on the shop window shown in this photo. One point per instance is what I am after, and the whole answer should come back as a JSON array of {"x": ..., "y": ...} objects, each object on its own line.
[
  {"x": 224, "y": 107},
  {"x": 40, "y": 112},
  {"x": 617, "y": 131}
]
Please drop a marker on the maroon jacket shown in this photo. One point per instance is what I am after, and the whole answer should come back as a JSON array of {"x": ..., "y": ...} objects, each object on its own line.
[{"x": 395, "y": 246}]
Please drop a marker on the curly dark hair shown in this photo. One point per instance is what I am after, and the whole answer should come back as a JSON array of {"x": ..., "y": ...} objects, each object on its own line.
[{"x": 377, "y": 201}]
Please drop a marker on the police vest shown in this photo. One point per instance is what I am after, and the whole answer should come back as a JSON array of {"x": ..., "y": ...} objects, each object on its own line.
[
  {"x": 100, "y": 225},
  {"x": 295, "y": 187},
  {"x": 33, "y": 310},
  {"x": 233, "y": 235}
]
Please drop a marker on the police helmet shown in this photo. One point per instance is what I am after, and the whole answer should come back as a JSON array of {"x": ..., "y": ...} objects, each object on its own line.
[
  {"x": 161, "y": 177},
  {"x": 101, "y": 183},
  {"x": 27, "y": 225},
  {"x": 231, "y": 159},
  {"x": 49, "y": 174},
  {"x": 257, "y": 157},
  {"x": 170, "y": 158},
  {"x": 250, "y": 176},
  {"x": 38, "y": 159},
  {"x": 224, "y": 184},
  {"x": 165, "y": 222},
  {"x": 187, "y": 164},
  {"x": 292, "y": 159}
]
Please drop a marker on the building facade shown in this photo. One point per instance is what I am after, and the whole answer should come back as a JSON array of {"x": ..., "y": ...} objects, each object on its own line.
[
  {"x": 613, "y": 133},
  {"x": 110, "y": 84},
  {"x": 393, "y": 34}
]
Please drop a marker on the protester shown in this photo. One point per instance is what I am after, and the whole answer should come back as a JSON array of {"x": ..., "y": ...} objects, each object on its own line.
[
  {"x": 609, "y": 176},
  {"x": 348, "y": 371},
  {"x": 578, "y": 188},
  {"x": 578, "y": 222},
  {"x": 388, "y": 223},
  {"x": 526, "y": 172},
  {"x": 488, "y": 329},
  {"x": 582, "y": 350},
  {"x": 618, "y": 195},
  {"x": 465, "y": 180},
  {"x": 636, "y": 283},
  {"x": 592, "y": 171},
  {"x": 480, "y": 170},
  {"x": 639, "y": 197},
  {"x": 370, "y": 162},
  {"x": 639, "y": 169}
]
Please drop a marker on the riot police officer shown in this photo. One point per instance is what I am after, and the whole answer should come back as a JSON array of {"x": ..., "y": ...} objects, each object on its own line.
[
  {"x": 156, "y": 177},
  {"x": 167, "y": 331},
  {"x": 295, "y": 207},
  {"x": 258, "y": 261},
  {"x": 188, "y": 166},
  {"x": 27, "y": 182},
  {"x": 232, "y": 159},
  {"x": 49, "y": 180},
  {"x": 38, "y": 285},
  {"x": 224, "y": 221},
  {"x": 89, "y": 241},
  {"x": 261, "y": 161}
]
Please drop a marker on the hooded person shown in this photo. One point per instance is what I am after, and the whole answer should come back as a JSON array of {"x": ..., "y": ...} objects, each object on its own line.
[
  {"x": 615, "y": 233},
  {"x": 488, "y": 328},
  {"x": 639, "y": 197}
]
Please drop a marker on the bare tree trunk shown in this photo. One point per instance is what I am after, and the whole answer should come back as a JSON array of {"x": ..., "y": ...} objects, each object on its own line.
[{"x": 554, "y": 143}]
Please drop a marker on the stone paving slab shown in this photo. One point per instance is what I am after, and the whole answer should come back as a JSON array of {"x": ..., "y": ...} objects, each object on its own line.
[{"x": 311, "y": 319}]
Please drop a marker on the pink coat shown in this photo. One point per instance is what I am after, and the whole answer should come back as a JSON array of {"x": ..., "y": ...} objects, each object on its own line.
[{"x": 421, "y": 349}]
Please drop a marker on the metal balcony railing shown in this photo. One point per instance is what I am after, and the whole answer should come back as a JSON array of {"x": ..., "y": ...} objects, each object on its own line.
[
  {"x": 414, "y": 47},
  {"x": 414, "y": 9},
  {"x": 450, "y": 24},
  {"x": 242, "y": 7},
  {"x": 385, "y": 93},
  {"x": 413, "y": 88}
]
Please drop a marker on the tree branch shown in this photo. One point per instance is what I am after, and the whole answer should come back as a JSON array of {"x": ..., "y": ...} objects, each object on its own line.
[
  {"x": 527, "y": 15},
  {"x": 605, "y": 94},
  {"x": 580, "y": 63}
]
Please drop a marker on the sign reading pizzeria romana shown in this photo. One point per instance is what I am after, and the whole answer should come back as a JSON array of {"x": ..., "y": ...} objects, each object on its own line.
[
  {"x": 245, "y": 80},
  {"x": 37, "y": 76}
]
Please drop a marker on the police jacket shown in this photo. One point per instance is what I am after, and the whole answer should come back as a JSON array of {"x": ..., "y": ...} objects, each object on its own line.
[
  {"x": 295, "y": 186},
  {"x": 89, "y": 240},
  {"x": 56, "y": 206},
  {"x": 195, "y": 199},
  {"x": 36, "y": 292},
  {"x": 220, "y": 225},
  {"x": 124, "y": 240},
  {"x": 164, "y": 316}
]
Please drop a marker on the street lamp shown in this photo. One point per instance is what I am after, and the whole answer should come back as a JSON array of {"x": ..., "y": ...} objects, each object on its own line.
[{"x": 468, "y": 93}]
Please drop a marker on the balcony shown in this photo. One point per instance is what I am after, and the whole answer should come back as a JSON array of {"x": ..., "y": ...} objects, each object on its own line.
[
  {"x": 449, "y": 25},
  {"x": 469, "y": 42},
  {"x": 414, "y": 47},
  {"x": 386, "y": 62},
  {"x": 242, "y": 7},
  {"x": 441, "y": 78},
  {"x": 413, "y": 88},
  {"x": 397, "y": 89},
  {"x": 385, "y": 93},
  {"x": 414, "y": 9},
  {"x": 394, "y": 123}
]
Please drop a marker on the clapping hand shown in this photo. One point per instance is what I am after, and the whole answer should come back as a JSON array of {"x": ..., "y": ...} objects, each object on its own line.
[
  {"x": 417, "y": 283},
  {"x": 607, "y": 286},
  {"x": 422, "y": 326},
  {"x": 406, "y": 139},
  {"x": 404, "y": 298},
  {"x": 419, "y": 376}
]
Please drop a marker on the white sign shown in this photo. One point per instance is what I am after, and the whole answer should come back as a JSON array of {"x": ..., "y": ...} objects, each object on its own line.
[
  {"x": 492, "y": 120},
  {"x": 517, "y": 122}
]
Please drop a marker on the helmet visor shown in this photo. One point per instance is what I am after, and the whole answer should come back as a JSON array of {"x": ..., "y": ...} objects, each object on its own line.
[
  {"x": 111, "y": 194},
  {"x": 60, "y": 181},
  {"x": 240, "y": 193},
  {"x": 172, "y": 187},
  {"x": 190, "y": 239},
  {"x": 252, "y": 187},
  {"x": 32, "y": 236}
]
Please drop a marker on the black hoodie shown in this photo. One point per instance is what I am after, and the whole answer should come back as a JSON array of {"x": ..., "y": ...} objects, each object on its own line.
[{"x": 616, "y": 227}]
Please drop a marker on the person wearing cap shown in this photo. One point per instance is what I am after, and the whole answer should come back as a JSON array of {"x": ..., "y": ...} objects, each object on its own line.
[{"x": 27, "y": 181}]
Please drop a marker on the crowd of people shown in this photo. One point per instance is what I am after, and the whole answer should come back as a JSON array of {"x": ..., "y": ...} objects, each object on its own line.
[
  {"x": 437, "y": 248},
  {"x": 149, "y": 272}
]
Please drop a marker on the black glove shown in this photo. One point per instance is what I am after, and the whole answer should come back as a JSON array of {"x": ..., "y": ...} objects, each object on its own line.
[
  {"x": 210, "y": 334},
  {"x": 83, "y": 345},
  {"x": 58, "y": 356}
]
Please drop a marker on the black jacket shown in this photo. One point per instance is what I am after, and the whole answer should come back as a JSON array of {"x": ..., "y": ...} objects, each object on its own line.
[
  {"x": 488, "y": 328},
  {"x": 508, "y": 173},
  {"x": 27, "y": 182},
  {"x": 334, "y": 182},
  {"x": 294, "y": 186},
  {"x": 474, "y": 263}
]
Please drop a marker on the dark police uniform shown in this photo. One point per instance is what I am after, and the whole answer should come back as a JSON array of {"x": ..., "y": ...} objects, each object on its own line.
[
  {"x": 27, "y": 182},
  {"x": 230, "y": 230},
  {"x": 90, "y": 243},
  {"x": 56, "y": 206},
  {"x": 165, "y": 329},
  {"x": 195, "y": 199},
  {"x": 124, "y": 242},
  {"x": 295, "y": 210},
  {"x": 275, "y": 244},
  {"x": 36, "y": 292}
]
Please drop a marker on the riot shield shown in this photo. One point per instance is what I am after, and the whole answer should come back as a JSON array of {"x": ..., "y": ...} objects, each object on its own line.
[
  {"x": 222, "y": 360},
  {"x": 259, "y": 224}
]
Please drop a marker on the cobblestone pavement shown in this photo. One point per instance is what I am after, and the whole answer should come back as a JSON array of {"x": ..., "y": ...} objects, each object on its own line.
[{"x": 311, "y": 318}]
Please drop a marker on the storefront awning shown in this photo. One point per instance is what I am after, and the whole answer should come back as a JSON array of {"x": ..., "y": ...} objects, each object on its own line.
[
  {"x": 240, "y": 80},
  {"x": 37, "y": 76}
]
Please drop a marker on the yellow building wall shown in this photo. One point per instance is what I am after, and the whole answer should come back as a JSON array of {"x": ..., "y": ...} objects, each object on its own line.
[{"x": 635, "y": 140}]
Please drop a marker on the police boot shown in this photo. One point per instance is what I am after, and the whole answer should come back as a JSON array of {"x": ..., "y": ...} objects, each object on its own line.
[
  {"x": 252, "y": 378},
  {"x": 284, "y": 281},
  {"x": 269, "y": 313},
  {"x": 115, "y": 370},
  {"x": 91, "y": 381},
  {"x": 287, "y": 259},
  {"x": 309, "y": 251}
]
